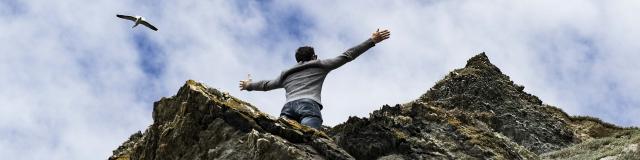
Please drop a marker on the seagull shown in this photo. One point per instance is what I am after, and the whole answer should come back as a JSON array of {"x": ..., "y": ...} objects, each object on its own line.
[{"x": 138, "y": 20}]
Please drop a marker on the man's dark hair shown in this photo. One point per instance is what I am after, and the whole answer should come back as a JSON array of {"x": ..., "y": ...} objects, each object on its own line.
[{"x": 305, "y": 53}]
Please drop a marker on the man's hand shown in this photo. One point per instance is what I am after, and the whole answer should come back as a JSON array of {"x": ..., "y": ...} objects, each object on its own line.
[
  {"x": 245, "y": 83},
  {"x": 379, "y": 36}
]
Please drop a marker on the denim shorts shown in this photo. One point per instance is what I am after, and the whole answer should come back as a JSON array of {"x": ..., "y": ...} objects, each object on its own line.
[{"x": 301, "y": 109}]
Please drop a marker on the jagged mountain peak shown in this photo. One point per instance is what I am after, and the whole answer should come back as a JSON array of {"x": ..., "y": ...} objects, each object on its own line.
[
  {"x": 478, "y": 79},
  {"x": 476, "y": 106}
]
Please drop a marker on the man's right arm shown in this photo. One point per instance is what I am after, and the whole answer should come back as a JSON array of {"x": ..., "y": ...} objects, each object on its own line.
[
  {"x": 353, "y": 53},
  {"x": 347, "y": 56}
]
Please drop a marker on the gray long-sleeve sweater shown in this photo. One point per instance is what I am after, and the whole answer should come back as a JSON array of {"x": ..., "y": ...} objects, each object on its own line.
[{"x": 304, "y": 80}]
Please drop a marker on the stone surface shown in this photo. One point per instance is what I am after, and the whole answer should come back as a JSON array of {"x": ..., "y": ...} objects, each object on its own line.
[
  {"x": 475, "y": 112},
  {"x": 621, "y": 145}
]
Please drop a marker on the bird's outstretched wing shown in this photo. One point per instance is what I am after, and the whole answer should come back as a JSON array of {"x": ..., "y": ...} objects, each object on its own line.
[
  {"x": 145, "y": 23},
  {"x": 126, "y": 17}
]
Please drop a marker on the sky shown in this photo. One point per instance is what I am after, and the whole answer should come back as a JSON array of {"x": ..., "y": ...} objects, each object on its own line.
[{"x": 76, "y": 81}]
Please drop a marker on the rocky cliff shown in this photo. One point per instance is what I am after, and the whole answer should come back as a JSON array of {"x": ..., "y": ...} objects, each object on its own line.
[
  {"x": 475, "y": 112},
  {"x": 203, "y": 123}
]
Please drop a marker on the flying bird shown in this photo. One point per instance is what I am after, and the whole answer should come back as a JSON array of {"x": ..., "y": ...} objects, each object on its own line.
[{"x": 138, "y": 20}]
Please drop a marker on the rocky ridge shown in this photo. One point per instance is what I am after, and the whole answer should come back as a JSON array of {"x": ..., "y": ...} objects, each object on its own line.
[{"x": 475, "y": 112}]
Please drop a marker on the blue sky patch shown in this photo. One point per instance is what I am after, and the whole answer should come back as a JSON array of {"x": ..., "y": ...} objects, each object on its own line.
[
  {"x": 151, "y": 58},
  {"x": 12, "y": 7}
]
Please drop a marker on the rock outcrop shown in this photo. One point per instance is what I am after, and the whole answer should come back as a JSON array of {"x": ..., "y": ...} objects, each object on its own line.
[
  {"x": 203, "y": 123},
  {"x": 475, "y": 112}
]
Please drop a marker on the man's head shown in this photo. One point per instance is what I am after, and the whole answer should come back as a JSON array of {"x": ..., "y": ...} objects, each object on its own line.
[{"x": 305, "y": 53}]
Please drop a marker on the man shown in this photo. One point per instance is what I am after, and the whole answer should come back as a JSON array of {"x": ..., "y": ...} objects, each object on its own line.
[{"x": 303, "y": 81}]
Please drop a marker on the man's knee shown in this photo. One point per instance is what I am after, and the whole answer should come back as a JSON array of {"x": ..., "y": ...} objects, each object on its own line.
[{"x": 312, "y": 121}]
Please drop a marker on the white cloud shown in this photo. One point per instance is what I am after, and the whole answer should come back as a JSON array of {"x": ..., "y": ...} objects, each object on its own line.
[{"x": 73, "y": 87}]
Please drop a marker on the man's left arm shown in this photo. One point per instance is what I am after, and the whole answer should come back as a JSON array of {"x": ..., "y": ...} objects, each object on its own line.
[{"x": 264, "y": 85}]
